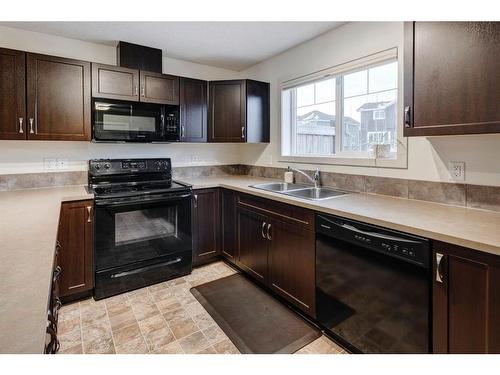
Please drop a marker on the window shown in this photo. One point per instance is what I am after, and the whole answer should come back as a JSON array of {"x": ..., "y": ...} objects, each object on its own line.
[
  {"x": 344, "y": 113},
  {"x": 379, "y": 115}
]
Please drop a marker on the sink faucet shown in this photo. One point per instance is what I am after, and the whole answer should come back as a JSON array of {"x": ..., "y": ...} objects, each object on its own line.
[{"x": 314, "y": 179}]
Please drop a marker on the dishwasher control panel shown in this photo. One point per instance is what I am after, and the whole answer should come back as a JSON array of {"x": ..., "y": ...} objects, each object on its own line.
[{"x": 393, "y": 243}]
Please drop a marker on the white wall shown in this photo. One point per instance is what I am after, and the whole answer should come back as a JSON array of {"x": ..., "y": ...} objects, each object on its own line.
[
  {"x": 427, "y": 157},
  {"x": 28, "y": 156}
]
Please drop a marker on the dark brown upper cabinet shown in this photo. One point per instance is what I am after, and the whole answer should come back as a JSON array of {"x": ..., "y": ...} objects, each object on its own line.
[
  {"x": 466, "y": 300},
  {"x": 114, "y": 82},
  {"x": 451, "y": 78},
  {"x": 193, "y": 106},
  {"x": 206, "y": 225},
  {"x": 12, "y": 94},
  {"x": 159, "y": 88},
  {"x": 238, "y": 111},
  {"x": 58, "y": 98}
]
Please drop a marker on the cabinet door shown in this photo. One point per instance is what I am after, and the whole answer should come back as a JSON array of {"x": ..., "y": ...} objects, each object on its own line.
[
  {"x": 452, "y": 77},
  {"x": 227, "y": 118},
  {"x": 252, "y": 243},
  {"x": 113, "y": 82},
  {"x": 466, "y": 301},
  {"x": 58, "y": 97},
  {"x": 206, "y": 225},
  {"x": 229, "y": 225},
  {"x": 193, "y": 103},
  {"x": 292, "y": 264},
  {"x": 12, "y": 94},
  {"x": 159, "y": 88},
  {"x": 75, "y": 256}
]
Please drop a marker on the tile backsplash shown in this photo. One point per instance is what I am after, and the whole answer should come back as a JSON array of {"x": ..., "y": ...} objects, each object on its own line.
[{"x": 474, "y": 196}]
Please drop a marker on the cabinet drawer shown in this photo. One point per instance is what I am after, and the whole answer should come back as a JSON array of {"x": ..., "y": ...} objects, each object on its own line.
[{"x": 281, "y": 211}]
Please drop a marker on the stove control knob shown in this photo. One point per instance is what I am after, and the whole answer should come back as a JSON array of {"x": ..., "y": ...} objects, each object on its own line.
[
  {"x": 97, "y": 167},
  {"x": 107, "y": 165}
]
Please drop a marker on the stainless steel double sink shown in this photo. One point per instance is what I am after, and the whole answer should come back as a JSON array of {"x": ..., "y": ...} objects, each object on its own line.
[{"x": 300, "y": 190}]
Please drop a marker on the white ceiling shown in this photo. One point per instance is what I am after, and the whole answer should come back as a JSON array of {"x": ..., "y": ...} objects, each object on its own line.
[{"x": 229, "y": 45}]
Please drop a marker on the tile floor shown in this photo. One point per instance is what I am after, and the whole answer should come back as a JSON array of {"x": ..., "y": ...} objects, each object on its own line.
[{"x": 164, "y": 319}]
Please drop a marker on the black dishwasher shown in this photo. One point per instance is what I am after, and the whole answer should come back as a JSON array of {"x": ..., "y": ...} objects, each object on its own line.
[{"x": 373, "y": 286}]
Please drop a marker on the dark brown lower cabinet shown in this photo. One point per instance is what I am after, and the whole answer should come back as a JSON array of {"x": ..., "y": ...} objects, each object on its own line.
[
  {"x": 206, "y": 225},
  {"x": 292, "y": 264},
  {"x": 76, "y": 254},
  {"x": 252, "y": 243},
  {"x": 276, "y": 246},
  {"x": 229, "y": 239},
  {"x": 466, "y": 300}
]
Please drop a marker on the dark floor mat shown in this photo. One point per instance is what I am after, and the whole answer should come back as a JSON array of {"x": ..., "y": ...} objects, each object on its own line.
[{"x": 253, "y": 320}]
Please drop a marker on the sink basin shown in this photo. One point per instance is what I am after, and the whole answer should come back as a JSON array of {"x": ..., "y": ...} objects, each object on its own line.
[
  {"x": 279, "y": 187},
  {"x": 315, "y": 194}
]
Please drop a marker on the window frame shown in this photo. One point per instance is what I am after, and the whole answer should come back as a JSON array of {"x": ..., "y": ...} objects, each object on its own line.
[{"x": 353, "y": 158}]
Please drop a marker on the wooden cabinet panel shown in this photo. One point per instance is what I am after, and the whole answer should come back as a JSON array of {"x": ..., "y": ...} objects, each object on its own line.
[
  {"x": 227, "y": 117},
  {"x": 113, "y": 82},
  {"x": 206, "y": 225},
  {"x": 159, "y": 88},
  {"x": 294, "y": 215},
  {"x": 76, "y": 254},
  {"x": 58, "y": 97},
  {"x": 466, "y": 302},
  {"x": 193, "y": 105},
  {"x": 292, "y": 264},
  {"x": 252, "y": 243},
  {"x": 229, "y": 225},
  {"x": 257, "y": 100},
  {"x": 12, "y": 94},
  {"x": 452, "y": 77}
]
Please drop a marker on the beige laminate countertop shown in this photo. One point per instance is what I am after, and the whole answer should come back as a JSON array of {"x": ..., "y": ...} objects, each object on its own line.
[
  {"x": 473, "y": 228},
  {"x": 28, "y": 231},
  {"x": 29, "y": 222}
]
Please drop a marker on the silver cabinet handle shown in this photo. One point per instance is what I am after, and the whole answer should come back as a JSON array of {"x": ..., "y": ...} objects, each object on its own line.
[
  {"x": 89, "y": 214},
  {"x": 243, "y": 132},
  {"x": 196, "y": 201},
  {"x": 269, "y": 232},
  {"x": 21, "y": 130},
  {"x": 262, "y": 230},
  {"x": 183, "y": 132},
  {"x": 439, "y": 272},
  {"x": 136, "y": 90},
  {"x": 32, "y": 131},
  {"x": 143, "y": 91}
]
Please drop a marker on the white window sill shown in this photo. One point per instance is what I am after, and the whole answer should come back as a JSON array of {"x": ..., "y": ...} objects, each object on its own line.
[{"x": 399, "y": 162}]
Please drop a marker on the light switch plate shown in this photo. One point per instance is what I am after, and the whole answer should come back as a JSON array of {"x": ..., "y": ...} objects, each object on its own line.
[
  {"x": 457, "y": 170},
  {"x": 49, "y": 163},
  {"x": 62, "y": 163}
]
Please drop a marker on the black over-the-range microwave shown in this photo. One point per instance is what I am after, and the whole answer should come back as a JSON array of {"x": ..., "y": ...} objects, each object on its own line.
[{"x": 122, "y": 121}]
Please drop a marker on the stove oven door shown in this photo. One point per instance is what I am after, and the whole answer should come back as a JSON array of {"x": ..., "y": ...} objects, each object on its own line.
[{"x": 140, "y": 241}]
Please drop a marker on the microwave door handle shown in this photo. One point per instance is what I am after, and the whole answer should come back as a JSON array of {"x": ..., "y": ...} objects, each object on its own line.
[{"x": 162, "y": 125}]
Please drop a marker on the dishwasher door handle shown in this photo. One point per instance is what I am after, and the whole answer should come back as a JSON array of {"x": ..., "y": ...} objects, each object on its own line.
[{"x": 371, "y": 234}]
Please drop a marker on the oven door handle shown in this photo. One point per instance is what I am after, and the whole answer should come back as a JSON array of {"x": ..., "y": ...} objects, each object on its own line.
[{"x": 116, "y": 203}]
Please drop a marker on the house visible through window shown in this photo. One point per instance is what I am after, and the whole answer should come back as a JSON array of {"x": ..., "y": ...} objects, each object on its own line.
[{"x": 344, "y": 113}]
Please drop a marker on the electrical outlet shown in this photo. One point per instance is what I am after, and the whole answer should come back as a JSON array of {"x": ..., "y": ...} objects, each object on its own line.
[
  {"x": 457, "y": 170},
  {"x": 49, "y": 163},
  {"x": 62, "y": 163}
]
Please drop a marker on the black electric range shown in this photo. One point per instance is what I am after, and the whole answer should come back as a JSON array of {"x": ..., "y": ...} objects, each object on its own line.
[{"x": 142, "y": 224}]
